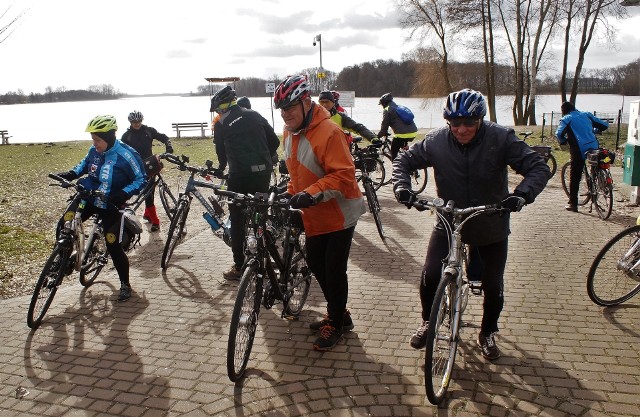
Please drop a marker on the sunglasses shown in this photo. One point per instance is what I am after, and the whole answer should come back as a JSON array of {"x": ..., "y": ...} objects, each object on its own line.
[
  {"x": 290, "y": 107},
  {"x": 463, "y": 122}
]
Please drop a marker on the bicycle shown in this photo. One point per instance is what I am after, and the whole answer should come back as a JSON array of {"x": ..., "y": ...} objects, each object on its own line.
[
  {"x": 614, "y": 276},
  {"x": 155, "y": 180},
  {"x": 545, "y": 151},
  {"x": 288, "y": 277},
  {"x": 214, "y": 214},
  {"x": 451, "y": 296},
  {"x": 364, "y": 160},
  {"x": 75, "y": 249},
  {"x": 418, "y": 177},
  {"x": 596, "y": 183}
]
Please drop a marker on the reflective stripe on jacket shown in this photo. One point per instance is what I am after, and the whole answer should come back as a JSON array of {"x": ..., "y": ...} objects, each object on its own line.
[{"x": 319, "y": 162}]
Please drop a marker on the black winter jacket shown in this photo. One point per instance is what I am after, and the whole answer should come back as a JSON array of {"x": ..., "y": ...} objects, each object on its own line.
[
  {"x": 246, "y": 141},
  {"x": 476, "y": 174},
  {"x": 142, "y": 140}
]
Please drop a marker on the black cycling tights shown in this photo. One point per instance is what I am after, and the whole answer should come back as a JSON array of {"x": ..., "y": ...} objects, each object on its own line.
[
  {"x": 396, "y": 145},
  {"x": 493, "y": 258}
]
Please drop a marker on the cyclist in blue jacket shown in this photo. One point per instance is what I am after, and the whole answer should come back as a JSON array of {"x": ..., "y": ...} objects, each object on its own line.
[
  {"x": 115, "y": 169},
  {"x": 576, "y": 127}
]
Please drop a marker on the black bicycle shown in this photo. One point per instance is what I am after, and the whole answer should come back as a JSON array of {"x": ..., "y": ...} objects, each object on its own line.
[
  {"x": 365, "y": 160},
  {"x": 597, "y": 183},
  {"x": 545, "y": 151},
  {"x": 419, "y": 177},
  {"x": 155, "y": 180},
  {"x": 76, "y": 249},
  {"x": 269, "y": 274},
  {"x": 214, "y": 215}
]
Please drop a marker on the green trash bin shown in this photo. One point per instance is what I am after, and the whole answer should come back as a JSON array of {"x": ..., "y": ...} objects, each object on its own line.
[{"x": 631, "y": 164}]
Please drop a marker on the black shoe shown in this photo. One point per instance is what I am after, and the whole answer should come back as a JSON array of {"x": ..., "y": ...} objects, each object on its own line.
[
  {"x": 125, "y": 292},
  {"x": 488, "y": 346},
  {"x": 328, "y": 338},
  {"x": 155, "y": 227},
  {"x": 571, "y": 207},
  {"x": 419, "y": 339},
  {"x": 347, "y": 324}
]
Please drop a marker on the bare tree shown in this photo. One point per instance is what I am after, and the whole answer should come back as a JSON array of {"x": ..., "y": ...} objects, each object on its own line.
[
  {"x": 6, "y": 29},
  {"x": 593, "y": 15},
  {"x": 429, "y": 18}
]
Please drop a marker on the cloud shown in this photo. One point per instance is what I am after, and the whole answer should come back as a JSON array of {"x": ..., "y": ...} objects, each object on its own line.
[{"x": 178, "y": 53}]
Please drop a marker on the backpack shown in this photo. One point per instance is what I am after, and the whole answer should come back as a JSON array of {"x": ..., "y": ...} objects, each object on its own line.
[{"x": 405, "y": 114}]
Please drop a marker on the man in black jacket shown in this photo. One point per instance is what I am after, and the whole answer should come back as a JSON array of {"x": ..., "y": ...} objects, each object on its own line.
[
  {"x": 470, "y": 159},
  {"x": 403, "y": 133},
  {"x": 140, "y": 137},
  {"x": 245, "y": 141}
]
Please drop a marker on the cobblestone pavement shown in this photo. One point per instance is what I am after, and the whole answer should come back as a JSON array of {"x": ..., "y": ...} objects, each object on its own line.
[{"x": 163, "y": 353}]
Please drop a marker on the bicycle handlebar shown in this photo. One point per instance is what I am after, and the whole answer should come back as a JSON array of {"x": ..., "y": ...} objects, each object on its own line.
[
  {"x": 258, "y": 199},
  {"x": 182, "y": 161},
  {"x": 439, "y": 205}
]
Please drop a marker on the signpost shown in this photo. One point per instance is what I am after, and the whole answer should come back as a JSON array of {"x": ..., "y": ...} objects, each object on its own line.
[{"x": 270, "y": 88}]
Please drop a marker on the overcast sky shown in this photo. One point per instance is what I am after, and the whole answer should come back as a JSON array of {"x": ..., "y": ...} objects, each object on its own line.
[{"x": 160, "y": 46}]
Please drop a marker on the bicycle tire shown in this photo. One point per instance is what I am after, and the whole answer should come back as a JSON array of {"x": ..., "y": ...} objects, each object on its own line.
[
  {"x": 95, "y": 257},
  {"x": 47, "y": 285},
  {"x": 603, "y": 196},
  {"x": 553, "y": 165},
  {"x": 299, "y": 281},
  {"x": 169, "y": 201},
  {"x": 175, "y": 234},
  {"x": 388, "y": 167},
  {"x": 374, "y": 206},
  {"x": 583, "y": 195},
  {"x": 419, "y": 182},
  {"x": 244, "y": 320},
  {"x": 378, "y": 174},
  {"x": 614, "y": 276},
  {"x": 441, "y": 345}
]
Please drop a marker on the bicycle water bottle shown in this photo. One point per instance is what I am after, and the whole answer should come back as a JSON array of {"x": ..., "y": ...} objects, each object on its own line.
[{"x": 213, "y": 222}]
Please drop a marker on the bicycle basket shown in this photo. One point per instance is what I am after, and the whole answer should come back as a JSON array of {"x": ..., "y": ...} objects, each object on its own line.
[
  {"x": 152, "y": 165},
  {"x": 544, "y": 151},
  {"x": 365, "y": 164}
]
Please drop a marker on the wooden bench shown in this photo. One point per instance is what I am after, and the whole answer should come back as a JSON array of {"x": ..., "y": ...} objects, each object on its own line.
[
  {"x": 189, "y": 126},
  {"x": 5, "y": 136}
]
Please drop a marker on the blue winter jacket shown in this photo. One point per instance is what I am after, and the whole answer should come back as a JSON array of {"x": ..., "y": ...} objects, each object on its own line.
[
  {"x": 579, "y": 125},
  {"x": 118, "y": 168}
]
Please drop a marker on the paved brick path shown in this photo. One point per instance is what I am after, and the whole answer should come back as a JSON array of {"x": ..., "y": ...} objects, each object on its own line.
[{"x": 163, "y": 353}]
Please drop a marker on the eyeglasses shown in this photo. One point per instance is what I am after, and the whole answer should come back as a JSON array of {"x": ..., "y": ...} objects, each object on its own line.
[
  {"x": 290, "y": 108},
  {"x": 461, "y": 122}
]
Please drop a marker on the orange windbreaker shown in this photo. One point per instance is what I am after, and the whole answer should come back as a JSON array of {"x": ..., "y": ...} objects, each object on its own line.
[{"x": 319, "y": 162}]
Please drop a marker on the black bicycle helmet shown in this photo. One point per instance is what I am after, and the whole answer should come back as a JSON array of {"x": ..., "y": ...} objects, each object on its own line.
[
  {"x": 226, "y": 95},
  {"x": 135, "y": 116},
  {"x": 464, "y": 103},
  {"x": 385, "y": 99}
]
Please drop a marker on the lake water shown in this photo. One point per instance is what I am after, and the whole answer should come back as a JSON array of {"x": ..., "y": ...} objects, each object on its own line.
[{"x": 55, "y": 122}]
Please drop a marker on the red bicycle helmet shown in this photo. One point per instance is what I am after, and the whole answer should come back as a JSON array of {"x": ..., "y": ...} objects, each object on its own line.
[{"x": 292, "y": 89}]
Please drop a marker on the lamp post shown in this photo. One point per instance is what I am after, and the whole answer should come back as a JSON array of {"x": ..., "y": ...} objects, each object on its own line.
[{"x": 321, "y": 74}]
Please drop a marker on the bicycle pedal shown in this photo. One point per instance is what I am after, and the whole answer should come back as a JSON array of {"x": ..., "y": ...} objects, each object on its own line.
[{"x": 475, "y": 287}]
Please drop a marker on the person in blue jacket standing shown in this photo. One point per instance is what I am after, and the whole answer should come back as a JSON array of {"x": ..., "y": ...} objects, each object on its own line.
[
  {"x": 576, "y": 127},
  {"x": 116, "y": 169}
]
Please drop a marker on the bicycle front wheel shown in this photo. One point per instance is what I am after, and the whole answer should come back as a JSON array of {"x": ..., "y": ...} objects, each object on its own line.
[
  {"x": 47, "y": 285},
  {"x": 378, "y": 173},
  {"x": 419, "y": 180},
  {"x": 603, "y": 193},
  {"x": 169, "y": 202},
  {"x": 583, "y": 193},
  {"x": 553, "y": 165},
  {"x": 95, "y": 257},
  {"x": 244, "y": 321},
  {"x": 175, "y": 234},
  {"x": 299, "y": 281},
  {"x": 614, "y": 276},
  {"x": 442, "y": 343},
  {"x": 374, "y": 206}
]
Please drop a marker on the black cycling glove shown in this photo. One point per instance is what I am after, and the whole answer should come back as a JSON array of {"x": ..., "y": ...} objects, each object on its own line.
[
  {"x": 68, "y": 175},
  {"x": 302, "y": 200},
  {"x": 514, "y": 202},
  {"x": 118, "y": 197},
  {"x": 406, "y": 197}
]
